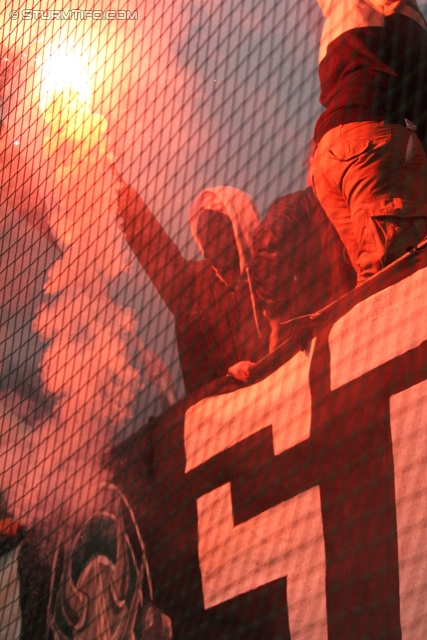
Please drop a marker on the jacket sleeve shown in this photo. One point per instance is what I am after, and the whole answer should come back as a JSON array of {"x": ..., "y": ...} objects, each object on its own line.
[
  {"x": 274, "y": 248},
  {"x": 159, "y": 256}
]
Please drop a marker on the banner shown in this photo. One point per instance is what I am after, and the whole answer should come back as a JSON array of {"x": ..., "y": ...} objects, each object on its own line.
[{"x": 295, "y": 507}]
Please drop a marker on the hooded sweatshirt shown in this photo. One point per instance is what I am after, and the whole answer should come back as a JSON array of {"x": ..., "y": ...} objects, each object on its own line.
[
  {"x": 300, "y": 264},
  {"x": 216, "y": 325},
  {"x": 373, "y": 64}
]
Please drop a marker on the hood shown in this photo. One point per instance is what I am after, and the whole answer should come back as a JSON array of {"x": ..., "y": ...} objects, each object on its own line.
[{"x": 241, "y": 210}]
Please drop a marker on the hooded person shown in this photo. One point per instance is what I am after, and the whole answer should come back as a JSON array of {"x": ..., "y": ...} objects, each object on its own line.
[
  {"x": 216, "y": 320},
  {"x": 299, "y": 263}
]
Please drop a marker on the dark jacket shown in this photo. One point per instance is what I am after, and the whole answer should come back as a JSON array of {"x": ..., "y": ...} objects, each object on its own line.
[
  {"x": 215, "y": 324},
  {"x": 373, "y": 64},
  {"x": 300, "y": 264}
]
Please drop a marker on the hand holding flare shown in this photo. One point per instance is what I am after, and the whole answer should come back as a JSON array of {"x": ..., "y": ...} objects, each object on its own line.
[{"x": 75, "y": 131}]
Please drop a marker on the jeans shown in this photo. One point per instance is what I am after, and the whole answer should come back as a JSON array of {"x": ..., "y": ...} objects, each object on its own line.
[{"x": 371, "y": 180}]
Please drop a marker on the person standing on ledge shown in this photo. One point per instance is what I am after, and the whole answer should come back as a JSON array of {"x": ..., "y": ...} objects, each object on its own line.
[{"x": 370, "y": 167}]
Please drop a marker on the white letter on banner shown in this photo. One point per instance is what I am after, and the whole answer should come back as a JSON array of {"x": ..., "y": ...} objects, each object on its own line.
[
  {"x": 286, "y": 540},
  {"x": 379, "y": 329},
  {"x": 282, "y": 400},
  {"x": 408, "y": 418}
]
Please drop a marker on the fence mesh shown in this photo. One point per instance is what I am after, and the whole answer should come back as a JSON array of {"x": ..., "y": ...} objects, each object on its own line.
[{"x": 101, "y": 101}]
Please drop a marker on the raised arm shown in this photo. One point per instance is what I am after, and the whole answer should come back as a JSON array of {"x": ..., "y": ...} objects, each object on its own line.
[{"x": 159, "y": 256}]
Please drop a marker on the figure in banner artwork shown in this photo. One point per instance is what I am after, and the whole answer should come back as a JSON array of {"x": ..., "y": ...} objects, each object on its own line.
[
  {"x": 370, "y": 166},
  {"x": 216, "y": 319},
  {"x": 101, "y": 587}
]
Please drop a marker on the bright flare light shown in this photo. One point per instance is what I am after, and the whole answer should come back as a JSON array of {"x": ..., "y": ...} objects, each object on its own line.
[
  {"x": 64, "y": 73},
  {"x": 65, "y": 103}
]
